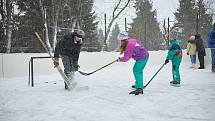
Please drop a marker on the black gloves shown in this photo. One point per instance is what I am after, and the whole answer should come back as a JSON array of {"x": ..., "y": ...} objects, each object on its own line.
[
  {"x": 187, "y": 53},
  {"x": 118, "y": 60},
  {"x": 56, "y": 62},
  {"x": 166, "y": 61}
]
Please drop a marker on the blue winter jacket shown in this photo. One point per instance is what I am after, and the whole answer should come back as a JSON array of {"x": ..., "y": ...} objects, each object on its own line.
[{"x": 211, "y": 38}]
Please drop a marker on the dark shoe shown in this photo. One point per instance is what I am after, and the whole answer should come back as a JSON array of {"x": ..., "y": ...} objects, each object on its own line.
[
  {"x": 175, "y": 83},
  {"x": 213, "y": 68},
  {"x": 137, "y": 91},
  {"x": 201, "y": 68}
]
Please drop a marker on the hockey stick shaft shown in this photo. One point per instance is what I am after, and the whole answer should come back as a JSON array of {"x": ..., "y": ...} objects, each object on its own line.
[
  {"x": 44, "y": 45},
  {"x": 154, "y": 76},
  {"x": 86, "y": 74}
]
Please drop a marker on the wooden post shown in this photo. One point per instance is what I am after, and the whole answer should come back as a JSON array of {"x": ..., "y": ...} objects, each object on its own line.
[
  {"x": 32, "y": 71},
  {"x": 168, "y": 33}
]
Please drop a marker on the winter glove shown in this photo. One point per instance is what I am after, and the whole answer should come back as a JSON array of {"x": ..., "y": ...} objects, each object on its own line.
[
  {"x": 187, "y": 53},
  {"x": 76, "y": 66},
  {"x": 56, "y": 62},
  {"x": 118, "y": 60},
  {"x": 166, "y": 61}
]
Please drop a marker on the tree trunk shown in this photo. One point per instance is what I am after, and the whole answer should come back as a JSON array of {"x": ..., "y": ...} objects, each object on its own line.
[
  {"x": 47, "y": 31},
  {"x": 9, "y": 26},
  {"x": 9, "y": 40},
  {"x": 45, "y": 26},
  {"x": 55, "y": 30},
  {"x": 55, "y": 11}
]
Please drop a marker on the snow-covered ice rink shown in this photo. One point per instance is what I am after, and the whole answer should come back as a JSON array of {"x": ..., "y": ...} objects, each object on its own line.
[{"x": 107, "y": 98}]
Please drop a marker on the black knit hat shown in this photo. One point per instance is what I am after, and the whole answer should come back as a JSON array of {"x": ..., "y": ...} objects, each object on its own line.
[{"x": 79, "y": 33}]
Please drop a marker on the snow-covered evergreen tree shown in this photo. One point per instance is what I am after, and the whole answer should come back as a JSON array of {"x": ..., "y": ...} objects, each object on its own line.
[
  {"x": 89, "y": 25},
  {"x": 186, "y": 17},
  {"x": 145, "y": 25}
]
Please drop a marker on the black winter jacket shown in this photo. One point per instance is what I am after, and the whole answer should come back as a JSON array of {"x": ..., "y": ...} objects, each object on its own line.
[
  {"x": 68, "y": 47},
  {"x": 199, "y": 45}
]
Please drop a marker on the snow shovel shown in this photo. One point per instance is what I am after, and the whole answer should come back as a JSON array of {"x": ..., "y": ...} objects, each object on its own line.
[
  {"x": 86, "y": 74},
  {"x": 154, "y": 76}
]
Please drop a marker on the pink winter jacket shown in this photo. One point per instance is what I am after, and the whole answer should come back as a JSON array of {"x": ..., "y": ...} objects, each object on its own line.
[{"x": 135, "y": 50}]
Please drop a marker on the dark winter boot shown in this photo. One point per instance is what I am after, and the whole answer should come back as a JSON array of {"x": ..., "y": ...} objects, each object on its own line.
[
  {"x": 175, "y": 83},
  {"x": 213, "y": 68},
  {"x": 66, "y": 87},
  {"x": 137, "y": 91}
]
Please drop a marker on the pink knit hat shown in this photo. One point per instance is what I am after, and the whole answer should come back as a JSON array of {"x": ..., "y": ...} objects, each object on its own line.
[{"x": 122, "y": 36}]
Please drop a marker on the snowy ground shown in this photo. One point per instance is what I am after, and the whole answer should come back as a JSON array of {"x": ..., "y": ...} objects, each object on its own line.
[{"x": 107, "y": 98}]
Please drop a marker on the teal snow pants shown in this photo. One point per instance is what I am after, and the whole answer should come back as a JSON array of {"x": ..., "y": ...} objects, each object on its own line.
[
  {"x": 175, "y": 70},
  {"x": 138, "y": 72}
]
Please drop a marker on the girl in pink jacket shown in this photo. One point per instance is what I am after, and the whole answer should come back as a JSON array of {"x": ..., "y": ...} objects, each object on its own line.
[{"x": 133, "y": 48}]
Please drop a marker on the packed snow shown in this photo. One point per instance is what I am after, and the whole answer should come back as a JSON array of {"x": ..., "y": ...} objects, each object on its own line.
[{"x": 107, "y": 98}]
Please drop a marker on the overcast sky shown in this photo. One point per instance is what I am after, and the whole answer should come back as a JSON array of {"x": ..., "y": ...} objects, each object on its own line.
[{"x": 165, "y": 9}]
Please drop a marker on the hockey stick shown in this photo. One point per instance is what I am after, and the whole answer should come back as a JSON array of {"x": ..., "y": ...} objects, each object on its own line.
[
  {"x": 154, "y": 76},
  {"x": 87, "y": 74}
]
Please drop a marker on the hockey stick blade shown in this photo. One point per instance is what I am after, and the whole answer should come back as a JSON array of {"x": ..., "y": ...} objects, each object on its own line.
[{"x": 86, "y": 74}]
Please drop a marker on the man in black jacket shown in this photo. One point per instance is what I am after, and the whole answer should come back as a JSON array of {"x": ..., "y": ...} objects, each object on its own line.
[
  {"x": 201, "y": 50},
  {"x": 68, "y": 49}
]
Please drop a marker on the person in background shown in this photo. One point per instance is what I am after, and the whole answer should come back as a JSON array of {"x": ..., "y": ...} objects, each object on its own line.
[
  {"x": 133, "y": 48},
  {"x": 68, "y": 49},
  {"x": 175, "y": 55},
  {"x": 191, "y": 50},
  {"x": 201, "y": 50},
  {"x": 211, "y": 44}
]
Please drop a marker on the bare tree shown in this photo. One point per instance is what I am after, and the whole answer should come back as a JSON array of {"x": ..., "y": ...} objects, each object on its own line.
[
  {"x": 5, "y": 21},
  {"x": 54, "y": 20},
  {"x": 2, "y": 25},
  {"x": 44, "y": 14},
  {"x": 8, "y": 11},
  {"x": 115, "y": 15}
]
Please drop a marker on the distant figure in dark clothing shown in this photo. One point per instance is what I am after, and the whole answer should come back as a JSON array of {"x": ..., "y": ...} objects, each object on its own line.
[
  {"x": 68, "y": 49},
  {"x": 201, "y": 50},
  {"x": 211, "y": 44}
]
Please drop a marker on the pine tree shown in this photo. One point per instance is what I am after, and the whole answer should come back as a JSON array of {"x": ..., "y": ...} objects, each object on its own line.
[
  {"x": 27, "y": 24},
  {"x": 89, "y": 25},
  {"x": 186, "y": 16},
  {"x": 205, "y": 21},
  {"x": 113, "y": 44},
  {"x": 145, "y": 25}
]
